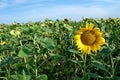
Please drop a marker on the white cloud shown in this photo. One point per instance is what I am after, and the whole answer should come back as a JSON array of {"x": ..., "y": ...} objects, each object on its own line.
[
  {"x": 59, "y": 12},
  {"x": 3, "y": 3},
  {"x": 39, "y": 10},
  {"x": 76, "y": 12}
]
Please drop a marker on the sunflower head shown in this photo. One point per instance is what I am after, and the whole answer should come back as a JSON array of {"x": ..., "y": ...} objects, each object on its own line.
[
  {"x": 89, "y": 39},
  {"x": 16, "y": 32},
  {"x": 3, "y": 42}
]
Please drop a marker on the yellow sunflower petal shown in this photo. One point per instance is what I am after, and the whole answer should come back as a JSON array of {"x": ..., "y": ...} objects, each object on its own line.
[
  {"x": 76, "y": 37},
  {"x": 79, "y": 32},
  {"x": 3, "y": 42},
  {"x": 91, "y": 26},
  {"x": 84, "y": 48},
  {"x": 96, "y": 29},
  {"x": 82, "y": 30},
  {"x": 88, "y": 50},
  {"x": 80, "y": 45},
  {"x": 94, "y": 48},
  {"x": 98, "y": 47},
  {"x": 98, "y": 34},
  {"x": 100, "y": 41},
  {"x": 87, "y": 25}
]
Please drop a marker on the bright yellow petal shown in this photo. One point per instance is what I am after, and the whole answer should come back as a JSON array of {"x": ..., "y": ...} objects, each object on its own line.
[
  {"x": 3, "y": 42},
  {"x": 82, "y": 30},
  {"x": 100, "y": 41},
  {"x": 78, "y": 32},
  {"x": 87, "y": 25},
  {"x": 91, "y": 26},
  {"x": 76, "y": 37},
  {"x": 88, "y": 50},
  {"x": 98, "y": 47},
  {"x": 80, "y": 45},
  {"x": 94, "y": 48},
  {"x": 96, "y": 29},
  {"x": 98, "y": 34},
  {"x": 83, "y": 48}
]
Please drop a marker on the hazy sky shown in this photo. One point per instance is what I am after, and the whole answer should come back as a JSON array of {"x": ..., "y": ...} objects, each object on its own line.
[{"x": 37, "y": 10}]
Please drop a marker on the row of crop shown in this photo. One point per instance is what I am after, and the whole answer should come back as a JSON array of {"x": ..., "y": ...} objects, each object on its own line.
[{"x": 46, "y": 50}]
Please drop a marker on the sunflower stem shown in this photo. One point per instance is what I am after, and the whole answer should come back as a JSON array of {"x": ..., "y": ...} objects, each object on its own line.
[
  {"x": 25, "y": 60},
  {"x": 35, "y": 57},
  {"x": 112, "y": 66},
  {"x": 84, "y": 66},
  {"x": 35, "y": 61}
]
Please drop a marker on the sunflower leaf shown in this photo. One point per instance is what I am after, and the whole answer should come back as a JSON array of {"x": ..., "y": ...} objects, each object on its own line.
[
  {"x": 93, "y": 75},
  {"x": 99, "y": 65},
  {"x": 46, "y": 43},
  {"x": 42, "y": 77},
  {"x": 23, "y": 53},
  {"x": 73, "y": 51}
]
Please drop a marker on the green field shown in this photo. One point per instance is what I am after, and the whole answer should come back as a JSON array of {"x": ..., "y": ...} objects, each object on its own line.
[{"x": 46, "y": 51}]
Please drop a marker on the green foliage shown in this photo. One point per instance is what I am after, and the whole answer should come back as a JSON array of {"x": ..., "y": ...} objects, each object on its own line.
[
  {"x": 42, "y": 77},
  {"x": 22, "y": 76},
  {"x": 46, "y": 51}
]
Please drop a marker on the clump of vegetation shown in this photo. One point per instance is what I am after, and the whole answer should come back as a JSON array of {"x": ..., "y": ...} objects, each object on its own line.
[{"x": 46, "y": 51}]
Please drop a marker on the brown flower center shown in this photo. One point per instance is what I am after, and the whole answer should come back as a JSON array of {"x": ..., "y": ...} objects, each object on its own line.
[{"x": 88, "y": 38}]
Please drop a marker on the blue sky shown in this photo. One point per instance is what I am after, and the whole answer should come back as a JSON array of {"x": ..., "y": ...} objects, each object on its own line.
[{"x": 38, "y": 10}]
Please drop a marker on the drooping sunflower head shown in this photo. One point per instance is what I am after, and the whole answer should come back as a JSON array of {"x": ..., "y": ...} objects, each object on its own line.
[
  {"x": 3, "y": 42},
  {"x": 89, "y": 39},
  {"x": 16, "y": 32}
]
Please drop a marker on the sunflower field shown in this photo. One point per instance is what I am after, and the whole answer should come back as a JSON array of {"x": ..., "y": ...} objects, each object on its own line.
[{"x": 61, "y": 50}]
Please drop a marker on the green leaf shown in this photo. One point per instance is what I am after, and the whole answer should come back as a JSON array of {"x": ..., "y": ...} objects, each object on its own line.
[
  {"x": 105, "y": 52},
  {"x": 48, "y": 43},
  {"x": 99, "y": 65},
  {"x": 78, "y": 78},
  {"x": 4, "y": 62},
  {"x": 93, "y": 75},
  {"x": 117, "y": 58},
  {"x": 47, "y": 30},
  {"x": 27, "y": 30},
  {"x": 22, "y": 76},
  {"x": 77, "y": 62},
  {"x": 42, "y": 77},
  {"x": 56, "y": 57},
  {"x": 23, "y": 53},
  {"x": 73, "y": 51},
  {"x": 16, "y": 77},
  {"x": 26, "y": 77},
  {"x": 68, "y": 27}
]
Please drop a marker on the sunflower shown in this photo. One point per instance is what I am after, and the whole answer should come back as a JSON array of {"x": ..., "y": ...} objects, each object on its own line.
[
  {"x": 15, "y": 32},
  {"x": 3, "y": 42},
  {"x": 89, "y": 39}
]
